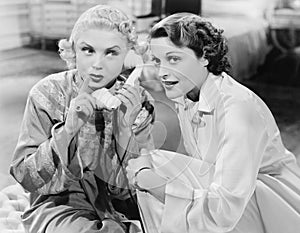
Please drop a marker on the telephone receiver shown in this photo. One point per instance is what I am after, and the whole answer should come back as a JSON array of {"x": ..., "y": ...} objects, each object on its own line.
[{"x": 104, "y": 99}]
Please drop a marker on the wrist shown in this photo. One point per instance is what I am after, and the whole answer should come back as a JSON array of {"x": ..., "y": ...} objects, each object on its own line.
[
  {"x": 136, "y": 182},
  {"x": 125, "y": 131},
  {"x": 149, "y": 180},
  {"x": 123, "y": 138},
  {"x": 124, "y": 127}
]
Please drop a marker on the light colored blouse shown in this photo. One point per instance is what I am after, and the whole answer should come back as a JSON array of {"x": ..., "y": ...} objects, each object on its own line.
[{"x": 236, "y": 171}]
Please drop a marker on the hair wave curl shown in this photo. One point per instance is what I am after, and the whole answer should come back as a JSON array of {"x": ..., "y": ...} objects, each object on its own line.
[
  {"x": 192, "y": 31},
  {"x": 100, "y": 16}
]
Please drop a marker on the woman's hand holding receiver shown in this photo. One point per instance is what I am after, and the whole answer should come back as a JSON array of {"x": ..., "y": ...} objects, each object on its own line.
[{"x": 131, "y": 106}]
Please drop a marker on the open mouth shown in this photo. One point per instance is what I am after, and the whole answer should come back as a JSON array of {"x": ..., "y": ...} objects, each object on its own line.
[{"x": 169, "y": 83}]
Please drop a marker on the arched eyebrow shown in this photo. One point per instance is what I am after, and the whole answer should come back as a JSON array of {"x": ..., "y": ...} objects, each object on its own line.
[
  {"x": 113, "y": 47},
  {"x": 86, "y": 44},
  {"x": 176, "y": 52}
]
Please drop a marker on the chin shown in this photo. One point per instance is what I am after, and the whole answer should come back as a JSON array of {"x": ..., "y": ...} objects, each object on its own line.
[
  {"x": 173, "y": 94},
  {"x": 95, "y": 87}
]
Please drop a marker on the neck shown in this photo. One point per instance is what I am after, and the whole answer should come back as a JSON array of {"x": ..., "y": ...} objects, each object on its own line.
[{"x": 193, "y": 95}]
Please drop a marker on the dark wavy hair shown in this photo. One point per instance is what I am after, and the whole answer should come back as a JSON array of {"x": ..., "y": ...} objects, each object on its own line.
[{"x": 192, "y": 31}]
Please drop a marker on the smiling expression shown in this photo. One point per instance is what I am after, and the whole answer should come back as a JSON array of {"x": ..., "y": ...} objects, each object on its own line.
[
  {"x": 100, "y": 56},
  {"x": 180, "y": 70}
]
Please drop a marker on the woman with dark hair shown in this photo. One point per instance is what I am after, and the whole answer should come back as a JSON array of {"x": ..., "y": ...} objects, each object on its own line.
[{"x": 237, "y": 176}]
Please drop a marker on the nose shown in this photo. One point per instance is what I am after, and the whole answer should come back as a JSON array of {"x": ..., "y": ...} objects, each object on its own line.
[
  {"x": 163, "y": 73},
  {"x": 98, "y": 62}
]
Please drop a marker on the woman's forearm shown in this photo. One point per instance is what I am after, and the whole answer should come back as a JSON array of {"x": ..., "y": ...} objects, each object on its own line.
[
  {"x": 153, "y": 183},
  {"x": 123, "y": 141}
]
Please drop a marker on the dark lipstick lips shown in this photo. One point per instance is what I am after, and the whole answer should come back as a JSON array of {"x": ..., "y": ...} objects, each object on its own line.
[
  {"x": 170, "y": 82},
  {"x": 97, "y": 75}
]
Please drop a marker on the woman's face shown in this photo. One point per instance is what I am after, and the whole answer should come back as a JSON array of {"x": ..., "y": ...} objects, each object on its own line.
[
  {"x": 180, "y": 70},
  {"x": 100, "y": 55}
]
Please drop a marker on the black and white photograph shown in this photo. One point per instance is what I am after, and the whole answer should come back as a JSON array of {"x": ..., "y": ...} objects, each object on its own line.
[{"x": 149, "y": 116}]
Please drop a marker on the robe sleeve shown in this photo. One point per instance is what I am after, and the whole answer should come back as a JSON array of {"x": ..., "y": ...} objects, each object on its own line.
[{"x": 43, "y": 161}]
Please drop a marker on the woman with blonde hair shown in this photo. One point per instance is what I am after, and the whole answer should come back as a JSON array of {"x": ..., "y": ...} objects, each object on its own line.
[{"x": 79, "y": 130}]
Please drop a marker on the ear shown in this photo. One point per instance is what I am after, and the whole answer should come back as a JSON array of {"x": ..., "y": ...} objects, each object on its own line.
[{"x": 203, "y": 61}]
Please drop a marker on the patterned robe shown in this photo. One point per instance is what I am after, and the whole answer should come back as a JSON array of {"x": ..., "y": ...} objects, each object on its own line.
[{"x": 82, "y": 176}]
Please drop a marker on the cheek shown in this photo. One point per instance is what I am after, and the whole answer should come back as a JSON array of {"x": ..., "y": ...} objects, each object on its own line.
[
  {"x": 187, "y": 81},
  {"x": 115, "y": 67},
  {"x": 190, "y": 84},
  {"x": 190, "y": 74},
  {"x": 82, "y": 63},
  {"x": 183, "y": 73}
]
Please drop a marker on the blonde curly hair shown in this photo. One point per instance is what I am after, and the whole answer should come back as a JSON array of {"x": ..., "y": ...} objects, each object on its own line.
[{"x": 100, "y": 16}]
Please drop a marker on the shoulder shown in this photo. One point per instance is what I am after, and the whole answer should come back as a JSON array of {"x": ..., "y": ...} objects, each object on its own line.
[
  {"x": 52, "y": 90},
  {"x": 237, "y": 104},
  {"x": 233, "y": 93},
  {"x": 53, "y": 83}
]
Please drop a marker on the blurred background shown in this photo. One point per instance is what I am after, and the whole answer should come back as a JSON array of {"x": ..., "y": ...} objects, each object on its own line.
[{"x": 264, "y": 49}]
